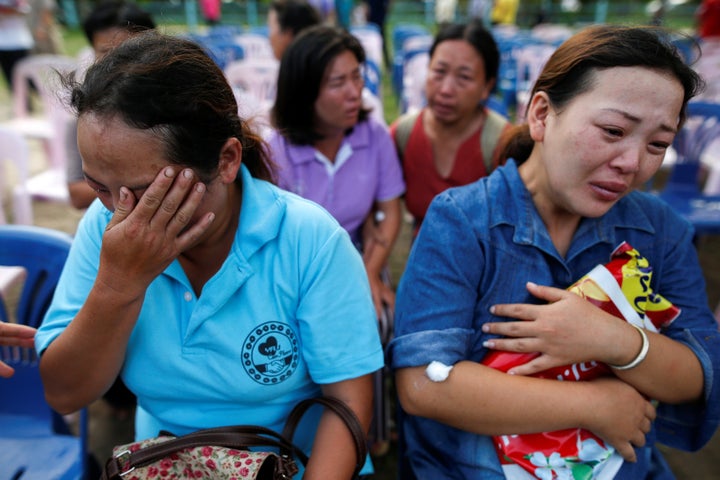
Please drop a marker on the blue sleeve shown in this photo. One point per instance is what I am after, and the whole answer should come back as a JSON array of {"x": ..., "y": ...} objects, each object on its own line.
[
  {"x": 78, "y": 275},
  {"x": 689, "y": 426},
  {"x": 438, "y": 293},
  {"x": 338, "y": 325}
]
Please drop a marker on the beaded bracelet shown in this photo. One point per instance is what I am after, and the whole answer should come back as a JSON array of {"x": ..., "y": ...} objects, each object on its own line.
[{"x": 640, "y": 356}]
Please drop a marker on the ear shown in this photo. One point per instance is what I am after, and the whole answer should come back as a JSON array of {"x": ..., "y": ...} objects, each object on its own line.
[
  {"x": 230, "y": 160},
  {"x": 489, "y": 85},
  {"x": 537, "y": 115}
]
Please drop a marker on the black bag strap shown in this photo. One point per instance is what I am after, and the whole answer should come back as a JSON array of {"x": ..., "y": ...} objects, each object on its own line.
[
  {"x": 341, "y": 410},
  {"x": 240, "y": 437}
]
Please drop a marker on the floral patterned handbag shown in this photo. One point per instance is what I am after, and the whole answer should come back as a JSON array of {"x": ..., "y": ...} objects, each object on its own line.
[{"x": 223, "y": 453}]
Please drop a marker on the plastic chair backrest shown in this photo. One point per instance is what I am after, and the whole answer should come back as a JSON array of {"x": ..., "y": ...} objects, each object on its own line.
[
  {"x": 372, "y": 76},
  {"x": 371, "y": 41},
  {"x": 42, "y": 252},
  {"x": 223, "y": 51},
  {"x": 14, "y": 163},
  {"x": 43, "y": 444},
  {"x": 402, "y": 32},
  {"x": 683, "y": 187},
  {"x": 413, "y": 81},
  {"x": 701, "y": 128},
  {"x": 255, "y": 45},
  {"x": 256, "y": 76},
  {"x": 42, "y": 70}
]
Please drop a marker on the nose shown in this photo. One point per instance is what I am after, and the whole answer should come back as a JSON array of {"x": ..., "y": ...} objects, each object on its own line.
[
  {"x": 447, "y": 84},
  {"x": 354, "y": 89},
  {"x": 630, "y": 159}
]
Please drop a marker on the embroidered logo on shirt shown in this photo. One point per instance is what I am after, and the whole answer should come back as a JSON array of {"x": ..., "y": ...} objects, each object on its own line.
[{"x": 270, "y": 353}]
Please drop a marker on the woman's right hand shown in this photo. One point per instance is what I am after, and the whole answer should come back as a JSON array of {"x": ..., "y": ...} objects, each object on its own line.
[
  {"x": 144, "y": 236},
  {"x": 619, "y": 414}
]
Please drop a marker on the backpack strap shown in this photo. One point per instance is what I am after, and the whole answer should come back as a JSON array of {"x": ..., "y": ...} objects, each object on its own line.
[
  {"x": 402, "y": 131},
  {"x": 494, "y": 126}
]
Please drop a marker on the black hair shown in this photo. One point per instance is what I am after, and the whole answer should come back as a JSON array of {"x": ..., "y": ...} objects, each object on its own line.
[
  {"x": 476, "y": 35},
  {"x": 169, "y": 86},
  {"x": 295, "y": 15},
  {"x": 116, "y": 14},
  {"x": 301, "y": 74}
]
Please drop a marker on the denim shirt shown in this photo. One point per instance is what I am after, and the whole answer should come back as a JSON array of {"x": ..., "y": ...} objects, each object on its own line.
[{"x": 478, "y": 246}]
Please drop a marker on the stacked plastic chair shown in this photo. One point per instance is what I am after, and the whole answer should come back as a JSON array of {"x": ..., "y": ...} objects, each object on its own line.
[
  {"x": 35, "y": 441},
  {"x": 401, "y": 51},
  {"x": 15, "y": 164},
  {"x": 683, "y": 187},
  {"x": 49, "y": 125}
]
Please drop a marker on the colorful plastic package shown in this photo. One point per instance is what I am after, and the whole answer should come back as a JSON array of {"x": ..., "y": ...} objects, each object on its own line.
[{"x": 621, "y": 288}]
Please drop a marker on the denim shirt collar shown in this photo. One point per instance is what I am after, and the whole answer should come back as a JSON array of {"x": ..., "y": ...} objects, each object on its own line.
[{"x": 530, "y": 228}]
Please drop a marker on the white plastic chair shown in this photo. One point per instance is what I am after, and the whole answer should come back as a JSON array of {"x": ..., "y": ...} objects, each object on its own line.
[
  {"x": 412, "y": 94},
  {"x": 417, "y": 42},
  {"x": 256, "y": 76},
  {"x": 49, "y": 126},
  {"x": 371, "y": 41},
  {"x": 14, "y": 164},
  {"x": 254, "y": 45}
]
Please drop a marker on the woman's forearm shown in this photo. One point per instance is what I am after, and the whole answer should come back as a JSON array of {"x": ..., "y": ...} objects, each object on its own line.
[
  {"x": 670, "y": 373},
  {"x": 484, "y": 401},
  {"x": 388, "y": 229},
  {"x": 83, "y": 361},
  {"x": 333, "y": 453}
]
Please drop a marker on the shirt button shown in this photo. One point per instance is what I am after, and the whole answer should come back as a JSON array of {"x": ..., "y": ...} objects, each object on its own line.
[{"x": 188, "y": 296}]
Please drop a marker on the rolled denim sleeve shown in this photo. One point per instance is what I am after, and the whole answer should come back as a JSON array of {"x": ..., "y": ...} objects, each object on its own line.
[{"x": 437, "y": 295}]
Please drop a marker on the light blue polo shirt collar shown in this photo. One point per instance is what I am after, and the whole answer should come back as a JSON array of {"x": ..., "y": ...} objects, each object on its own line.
[
  {"x": 530, "y": 229},
  {"x": 261, "y": 215}
]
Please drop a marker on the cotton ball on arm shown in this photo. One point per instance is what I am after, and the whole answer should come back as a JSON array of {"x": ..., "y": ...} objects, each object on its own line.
[{"x": 438, "y": 371}]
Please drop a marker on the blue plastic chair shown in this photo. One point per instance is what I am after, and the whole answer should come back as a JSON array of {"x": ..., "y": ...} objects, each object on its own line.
[
  {"x": 682, "y": 190},
  {"x": 372, "y": 77},
  {"x": 35, "y": 441},
  {"x": 223, "y": 52},
  {"x": 400, "y": 34}
]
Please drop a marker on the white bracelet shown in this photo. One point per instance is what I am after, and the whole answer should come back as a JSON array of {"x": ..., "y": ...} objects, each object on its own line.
[{"x": 640, "y": 356}]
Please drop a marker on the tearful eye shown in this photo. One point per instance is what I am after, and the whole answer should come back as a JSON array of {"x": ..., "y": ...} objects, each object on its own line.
[{"x": 659, "y": 147}]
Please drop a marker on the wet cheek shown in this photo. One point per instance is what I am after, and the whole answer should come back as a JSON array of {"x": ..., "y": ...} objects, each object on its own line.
[{"x": 647, "y": 170}]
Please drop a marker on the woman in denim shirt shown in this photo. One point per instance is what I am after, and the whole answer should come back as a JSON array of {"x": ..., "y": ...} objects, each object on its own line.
[{"x": 490, "y": 266}]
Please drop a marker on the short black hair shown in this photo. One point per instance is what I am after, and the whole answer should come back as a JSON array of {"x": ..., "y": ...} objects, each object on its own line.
[
  {"x": 301, "y": 74},
  {"x": 168, "y": 86},
  {"x": 295, "y": 15},
  {"x": 475, "y": 33},
  {"x": 116, "y": 14}
]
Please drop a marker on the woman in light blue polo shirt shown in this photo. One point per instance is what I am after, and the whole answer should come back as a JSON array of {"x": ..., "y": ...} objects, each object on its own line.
[{"x": 218, "y": 297}]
